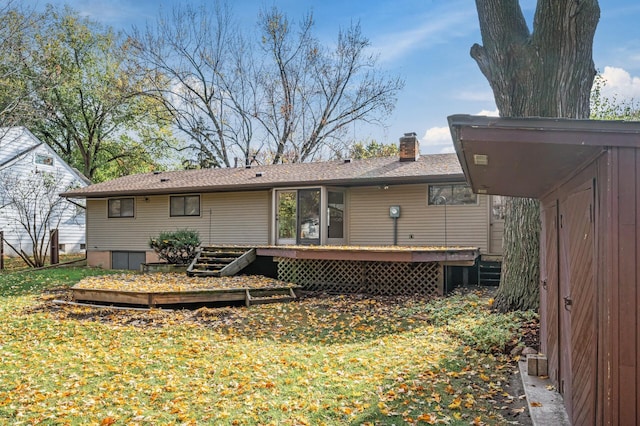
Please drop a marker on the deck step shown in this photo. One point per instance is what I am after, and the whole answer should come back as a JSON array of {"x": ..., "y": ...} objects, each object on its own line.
[
  {"x": 489, "y": 272},
  {"x": 220, "y": 261},
  {"x": 264, "y": 296}
]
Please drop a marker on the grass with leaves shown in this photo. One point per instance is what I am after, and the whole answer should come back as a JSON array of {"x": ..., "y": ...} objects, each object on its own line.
[{"x": 334, "y": 360}]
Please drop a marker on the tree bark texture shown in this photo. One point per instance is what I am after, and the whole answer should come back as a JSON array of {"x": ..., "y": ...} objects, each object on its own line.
[{"x": 545, "y": 73}]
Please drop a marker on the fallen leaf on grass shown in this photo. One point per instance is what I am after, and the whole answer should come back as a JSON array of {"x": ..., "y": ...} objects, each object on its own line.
[{"x": 171, "y": 282}]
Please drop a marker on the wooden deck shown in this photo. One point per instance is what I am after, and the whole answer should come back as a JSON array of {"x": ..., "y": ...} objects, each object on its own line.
[
  {"x": 378, "y": 270},
  {"x": 250, "y": 296},
  {"x": 461, "y": 256},
  {"x": 375, "y": 270},
  {"x": 160, "y": 290}
]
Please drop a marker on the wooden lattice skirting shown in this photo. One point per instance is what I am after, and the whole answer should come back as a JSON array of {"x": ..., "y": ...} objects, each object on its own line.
[{"x": 376, "y": 278}]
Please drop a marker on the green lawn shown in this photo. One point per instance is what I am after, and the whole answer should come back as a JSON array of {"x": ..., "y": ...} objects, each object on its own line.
[{"x": 325, "y": 360}]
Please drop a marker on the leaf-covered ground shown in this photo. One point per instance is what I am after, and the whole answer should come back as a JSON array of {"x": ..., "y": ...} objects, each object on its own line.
[
  {"x": 334, "y": 360},
  {"x": 171, "y": 282}
]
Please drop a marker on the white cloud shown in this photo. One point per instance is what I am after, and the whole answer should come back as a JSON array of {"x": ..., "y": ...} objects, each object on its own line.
[
  {"x": 620, "y": 84},
  {"x": 488, "y": 113},
  {"x": 436, "y": 136},
  {"x": 437, "y": 140}
]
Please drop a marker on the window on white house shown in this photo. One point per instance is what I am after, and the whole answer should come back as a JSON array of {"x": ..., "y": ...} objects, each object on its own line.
[
  {"x": 497, "y": 207},
  {"x": 44, "y": 159},
  {"x": 185, "y": 205},
  {"x": 451, "y": 194},
  {"x": 121, "y": 207}
]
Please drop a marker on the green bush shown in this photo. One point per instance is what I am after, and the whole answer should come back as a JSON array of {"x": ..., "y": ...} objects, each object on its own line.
[{"x": 176, "y": 247}]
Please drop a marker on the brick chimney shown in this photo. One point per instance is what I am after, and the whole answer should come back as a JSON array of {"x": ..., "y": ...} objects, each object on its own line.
[{"x": 409, "y": 147}]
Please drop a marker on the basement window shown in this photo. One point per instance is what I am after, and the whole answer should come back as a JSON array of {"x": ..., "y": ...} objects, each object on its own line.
[{"x": 451, "y": 194}]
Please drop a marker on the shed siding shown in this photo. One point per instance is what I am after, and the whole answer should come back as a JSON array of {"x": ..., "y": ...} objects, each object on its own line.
[
  {"x": 226, "y": 218},
  {"x": 627, "y": 294},
  {"x": 606, "y": 277},
  {"x": 370, "y": 224}
]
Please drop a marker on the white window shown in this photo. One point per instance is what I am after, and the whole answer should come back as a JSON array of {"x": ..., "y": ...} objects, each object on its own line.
[{"x": 44, "y": 159}]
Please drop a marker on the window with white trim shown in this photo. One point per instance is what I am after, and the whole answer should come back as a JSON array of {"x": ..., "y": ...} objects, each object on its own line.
[{"x": 451, "y": 194}]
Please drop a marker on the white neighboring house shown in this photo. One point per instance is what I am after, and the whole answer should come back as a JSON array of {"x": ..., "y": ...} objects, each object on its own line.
[{"x": 31, "y": 177}]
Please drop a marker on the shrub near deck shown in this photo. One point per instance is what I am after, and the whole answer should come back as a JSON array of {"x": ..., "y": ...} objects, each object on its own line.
[{"x": 325, "y": 360}]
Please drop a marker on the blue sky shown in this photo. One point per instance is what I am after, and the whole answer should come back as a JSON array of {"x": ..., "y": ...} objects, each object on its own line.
[{"x": 426, "y": 42}]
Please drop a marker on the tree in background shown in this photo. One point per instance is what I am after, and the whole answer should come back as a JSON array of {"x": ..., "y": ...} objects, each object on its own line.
[
  {"x": 545, "y": 73},
  {"x": 204, "y": 79},
  {"x": 33, "y": 208},
  {"x": 16, "y": 28},
  {"x": 86, "y": 104},
  {"x": 283, "y": 98},
  {"x": 372, "y": 149},
  {"x": 610, "y": 108},
  {"x": 312, "y": 93}
]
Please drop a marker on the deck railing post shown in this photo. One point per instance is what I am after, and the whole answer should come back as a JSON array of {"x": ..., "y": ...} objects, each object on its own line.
[{"x": 53, "y": 244}]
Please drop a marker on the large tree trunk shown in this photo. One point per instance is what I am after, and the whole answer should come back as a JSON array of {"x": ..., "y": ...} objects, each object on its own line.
[{"x": 547, "y": 73}]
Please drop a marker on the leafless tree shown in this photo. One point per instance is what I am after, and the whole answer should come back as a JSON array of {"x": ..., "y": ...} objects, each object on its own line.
[
  {"x": 290, "y": 100},
  {"x": 204, "y": 79},
  {"x": 312, "y": 93},
  {"x": 30, "y": 206}
]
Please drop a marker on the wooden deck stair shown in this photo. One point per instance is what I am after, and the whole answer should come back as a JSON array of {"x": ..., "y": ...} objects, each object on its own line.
[
  {"x": 220, "y": 261},
  {"x": 256, "y": 296},
  {"x": 489, "y": 272}
]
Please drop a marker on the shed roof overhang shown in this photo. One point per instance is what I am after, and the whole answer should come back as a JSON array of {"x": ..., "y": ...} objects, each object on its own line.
[{"x": 528, "y": 157}]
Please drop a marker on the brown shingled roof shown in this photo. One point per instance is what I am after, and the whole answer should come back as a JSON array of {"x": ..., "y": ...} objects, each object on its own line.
[{"x": 375, "y": 171}]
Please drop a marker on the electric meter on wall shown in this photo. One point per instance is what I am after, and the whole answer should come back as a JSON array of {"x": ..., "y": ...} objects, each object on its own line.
[{"x": 394, "y": 211}]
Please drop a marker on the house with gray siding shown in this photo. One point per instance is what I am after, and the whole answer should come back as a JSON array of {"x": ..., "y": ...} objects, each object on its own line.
[
  {"x": 341, "y": 202},
  {"x": 31, "y": 177}
]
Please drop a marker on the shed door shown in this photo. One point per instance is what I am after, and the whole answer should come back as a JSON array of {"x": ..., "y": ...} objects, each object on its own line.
[
  {"x": 577, "y": 306},
  {"x": 549, "y": 300}
]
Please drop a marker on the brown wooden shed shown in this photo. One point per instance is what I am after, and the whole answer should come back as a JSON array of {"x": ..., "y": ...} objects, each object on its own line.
[{"x": 586, "y": 174}]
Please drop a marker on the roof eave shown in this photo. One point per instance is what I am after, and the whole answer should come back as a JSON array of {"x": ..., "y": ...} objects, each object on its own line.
[{"x": 394, "y": 180}]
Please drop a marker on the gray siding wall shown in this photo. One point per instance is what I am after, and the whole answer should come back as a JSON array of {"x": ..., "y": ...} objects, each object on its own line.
[
  {"x": 225, "y": 218},
  {"x": 419, "y": 223}
]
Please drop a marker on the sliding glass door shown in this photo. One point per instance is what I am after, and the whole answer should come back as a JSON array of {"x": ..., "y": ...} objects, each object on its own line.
[{"x": 298, "y": 216}]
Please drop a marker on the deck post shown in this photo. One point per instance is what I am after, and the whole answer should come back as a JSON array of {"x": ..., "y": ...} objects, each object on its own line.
[{"x": 54, "y": 247}]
